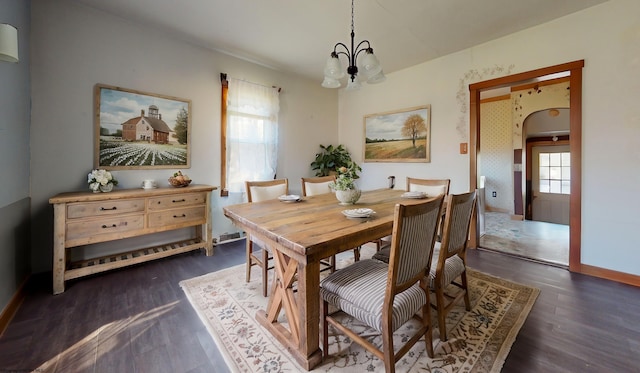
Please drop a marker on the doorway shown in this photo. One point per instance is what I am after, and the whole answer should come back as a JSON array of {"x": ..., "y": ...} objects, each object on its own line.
[{"x": 574, "y": 72}]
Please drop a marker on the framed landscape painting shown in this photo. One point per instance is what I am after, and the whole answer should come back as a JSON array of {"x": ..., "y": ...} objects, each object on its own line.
[
  {"x": 398, "y": 136},
  {"x": 140, "y": 130}
]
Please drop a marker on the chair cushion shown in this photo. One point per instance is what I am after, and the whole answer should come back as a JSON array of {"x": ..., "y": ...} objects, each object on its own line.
[
  {"x": 359, "y": 291},
  {"x": 313, "y": 189},
  {"x": 453, "y": 267},
  {"x": 429, "y": 190},
  {"x": 264, "y": 193}
]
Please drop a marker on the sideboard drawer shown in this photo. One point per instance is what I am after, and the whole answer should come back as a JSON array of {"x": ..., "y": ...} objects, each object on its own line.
[
  {"x": 177, "y": 200},
  {"x": 95, "y": 227},
  {"x": 193, "y": 215},
  {"x": 103, "y": 208}
]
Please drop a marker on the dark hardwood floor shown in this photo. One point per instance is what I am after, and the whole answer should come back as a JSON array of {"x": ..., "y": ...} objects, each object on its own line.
[{"x": 138, "y": 319}]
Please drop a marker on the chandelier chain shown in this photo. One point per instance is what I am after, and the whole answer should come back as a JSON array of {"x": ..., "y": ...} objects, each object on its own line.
[{"x": 352, "y": 16}]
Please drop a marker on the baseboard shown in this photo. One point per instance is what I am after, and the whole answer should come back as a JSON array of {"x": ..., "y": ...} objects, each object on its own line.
[
  {"x": 495, "y": 209},
  {"x": 608, "y": 274},
  {"x": 12, "y": 307}
]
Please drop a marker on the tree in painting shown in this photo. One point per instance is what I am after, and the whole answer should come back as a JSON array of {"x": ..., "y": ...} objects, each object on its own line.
[
  {"x": 181, "y": 127},
  {"x": 413, "y": 127}
]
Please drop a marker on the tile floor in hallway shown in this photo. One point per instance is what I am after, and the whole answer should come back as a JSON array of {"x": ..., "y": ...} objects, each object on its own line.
[{"x": 540, "y": 241}]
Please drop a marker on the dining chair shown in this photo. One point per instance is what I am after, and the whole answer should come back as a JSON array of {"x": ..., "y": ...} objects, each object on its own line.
[
  {"x": 312, "y": 186},
  {"x": 449, "y": 258},
  {"x": 258, "y": 191},
  {"x": 385, "y": 297},
  {"x": 432, "y": 188}
]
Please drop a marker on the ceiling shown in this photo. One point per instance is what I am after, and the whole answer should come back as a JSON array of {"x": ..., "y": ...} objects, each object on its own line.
[{"x": 297, "y": 36}]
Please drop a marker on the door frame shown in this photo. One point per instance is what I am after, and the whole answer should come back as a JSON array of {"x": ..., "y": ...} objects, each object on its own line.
[{"x": 575, "y": 144}]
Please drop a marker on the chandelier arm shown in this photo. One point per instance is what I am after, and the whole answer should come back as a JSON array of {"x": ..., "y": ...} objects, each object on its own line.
[
  {"x": 359, "y": 50},
  {"x": 347, "y": 52},
  {"x": 360, "y": 44}
]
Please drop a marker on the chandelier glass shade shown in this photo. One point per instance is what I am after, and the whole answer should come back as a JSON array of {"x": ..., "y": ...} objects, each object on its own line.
[{"x": 368, "y": 67}]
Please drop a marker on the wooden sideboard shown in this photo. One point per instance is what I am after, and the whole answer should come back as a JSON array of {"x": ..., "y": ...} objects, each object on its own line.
[{"x": 84, "y": 218}]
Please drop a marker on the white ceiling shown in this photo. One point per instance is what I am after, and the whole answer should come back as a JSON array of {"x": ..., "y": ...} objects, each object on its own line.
[{"x": 298, "y": 35}]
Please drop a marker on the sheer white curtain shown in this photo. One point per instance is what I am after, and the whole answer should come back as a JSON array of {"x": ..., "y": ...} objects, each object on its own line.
[{"x": 252, "y": 133}]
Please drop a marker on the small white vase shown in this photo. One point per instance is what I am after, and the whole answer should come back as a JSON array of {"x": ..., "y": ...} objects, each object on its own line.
[
  {"x": 349, "y": 196},
  {"x": 106, "y": 188}
]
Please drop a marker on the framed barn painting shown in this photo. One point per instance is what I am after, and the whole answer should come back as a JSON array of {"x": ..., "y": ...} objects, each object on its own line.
[
  {"x": 398, "y": 136},
  {"x": 140, "y": 130}
]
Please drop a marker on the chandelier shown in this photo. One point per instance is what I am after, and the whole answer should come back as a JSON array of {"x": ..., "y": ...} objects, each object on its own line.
[{"x": 369, "y": 67}]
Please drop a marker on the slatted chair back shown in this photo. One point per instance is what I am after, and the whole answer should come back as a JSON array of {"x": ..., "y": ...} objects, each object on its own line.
[
  {"x": 457, "y": 220},
  {"x": 412, "y": 243}
]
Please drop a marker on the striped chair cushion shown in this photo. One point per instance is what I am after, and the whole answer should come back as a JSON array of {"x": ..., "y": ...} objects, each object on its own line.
[
  {"x": 453, "y": 267},
  {"x": 359, "y": 291}
]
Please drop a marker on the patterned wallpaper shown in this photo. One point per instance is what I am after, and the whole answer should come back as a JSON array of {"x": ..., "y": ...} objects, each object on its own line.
[
  {"x": 501, "y": 133},
  {"x": 496, "y": 154},
  {"x": 529, "y": 101}
]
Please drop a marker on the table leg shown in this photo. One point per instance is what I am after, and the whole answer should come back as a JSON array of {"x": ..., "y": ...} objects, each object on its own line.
[
  {"x": 301, "y": 309},
  {"x": 59, "y": 251}
]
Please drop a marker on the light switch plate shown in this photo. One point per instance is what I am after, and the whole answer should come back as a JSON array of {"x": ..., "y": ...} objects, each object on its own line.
[{"x": 463, "y": 148}]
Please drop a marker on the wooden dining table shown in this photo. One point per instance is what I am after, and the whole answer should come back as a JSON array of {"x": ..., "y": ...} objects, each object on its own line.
[{"x": 299, "y": 235}]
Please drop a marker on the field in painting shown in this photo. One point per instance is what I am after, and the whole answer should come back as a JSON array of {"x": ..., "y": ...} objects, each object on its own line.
[{"x": 396, "y": 149}]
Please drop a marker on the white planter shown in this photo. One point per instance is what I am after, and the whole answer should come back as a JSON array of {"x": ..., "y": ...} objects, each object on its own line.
[
  {"x": 106, "y": 188},
  {"x": 348, "y": 197}
]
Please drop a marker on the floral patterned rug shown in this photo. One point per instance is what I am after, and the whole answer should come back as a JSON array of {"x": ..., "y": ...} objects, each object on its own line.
[{"x": 479, "y": 340}]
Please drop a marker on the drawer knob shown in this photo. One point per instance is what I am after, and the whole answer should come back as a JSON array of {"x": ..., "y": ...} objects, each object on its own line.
[
  {"x": 109, "y": 226},
  {"x": 108, "y": 209}
]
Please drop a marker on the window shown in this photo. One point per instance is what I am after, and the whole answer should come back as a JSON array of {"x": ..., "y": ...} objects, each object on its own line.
[
  {"x": 250, "y": 136},
  {"x": 555, "y": 173}
]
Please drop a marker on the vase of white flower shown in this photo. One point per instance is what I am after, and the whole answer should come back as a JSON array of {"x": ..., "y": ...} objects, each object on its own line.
[
  {"x": 101, "y": 181},
  {"x": 347, "y": 191}
]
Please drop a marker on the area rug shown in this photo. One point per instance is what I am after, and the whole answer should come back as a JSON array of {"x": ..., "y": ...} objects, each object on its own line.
[{"x": 479, "y": 340}]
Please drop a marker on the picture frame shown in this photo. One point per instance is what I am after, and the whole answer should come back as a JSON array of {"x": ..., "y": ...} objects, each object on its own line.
[
  {"x": 137, "y": 130},
  {"x": 398, "y": 136}
]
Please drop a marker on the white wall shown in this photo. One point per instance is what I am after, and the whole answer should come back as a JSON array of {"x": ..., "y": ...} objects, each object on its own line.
[
  {"x": 607, "y": 37},
  {"x": 75, "y": 47}
]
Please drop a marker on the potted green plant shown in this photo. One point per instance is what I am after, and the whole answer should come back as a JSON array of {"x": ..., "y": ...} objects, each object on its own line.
[{"x": 331, "y": 158}]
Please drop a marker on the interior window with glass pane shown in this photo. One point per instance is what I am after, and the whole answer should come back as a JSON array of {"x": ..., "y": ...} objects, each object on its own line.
[{"x": 555, "y": 172}]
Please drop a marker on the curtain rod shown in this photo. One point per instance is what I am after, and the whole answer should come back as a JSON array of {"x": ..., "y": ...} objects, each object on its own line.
[{"x": 223, "y": 77}]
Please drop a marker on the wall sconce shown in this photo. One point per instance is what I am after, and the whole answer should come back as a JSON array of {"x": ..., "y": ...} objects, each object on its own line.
[{"x": 8, "y": 43}]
